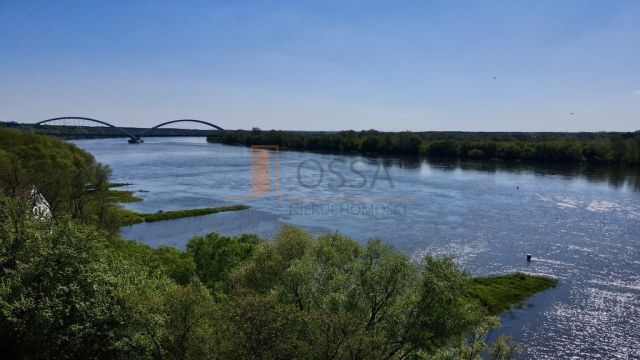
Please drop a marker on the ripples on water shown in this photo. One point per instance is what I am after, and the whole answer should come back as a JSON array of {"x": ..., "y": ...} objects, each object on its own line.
[{"x": 582, "y": 225}]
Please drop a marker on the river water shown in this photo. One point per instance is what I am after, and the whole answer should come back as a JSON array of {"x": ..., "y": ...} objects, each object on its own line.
[{"x": 581, "y": 225}]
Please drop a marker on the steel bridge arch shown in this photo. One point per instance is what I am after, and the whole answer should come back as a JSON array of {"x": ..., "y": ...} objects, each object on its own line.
[
  {"x": 87, "y": 119},
  {"x": 177, "y": 121}
]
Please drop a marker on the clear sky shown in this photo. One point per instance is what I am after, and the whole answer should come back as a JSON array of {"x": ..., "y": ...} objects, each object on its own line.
[{"x": 326, "y": 65}]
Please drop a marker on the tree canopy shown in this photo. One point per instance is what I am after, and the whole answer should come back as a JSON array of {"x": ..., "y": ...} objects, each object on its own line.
[{"x": 591, "y": 148}]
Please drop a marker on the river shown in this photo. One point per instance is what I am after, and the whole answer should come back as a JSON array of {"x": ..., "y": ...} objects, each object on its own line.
[{"x": 581, "y": 225}]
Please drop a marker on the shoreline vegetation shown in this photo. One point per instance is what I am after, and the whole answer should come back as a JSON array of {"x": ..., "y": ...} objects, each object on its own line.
[
  {"x": 130, "y": 217},
  {"x": 72, "y": 287},
  {"x": 115, "y": 185},
  {"x": 121, "y": 196},
  {"x": 578, "y": 148},
  {"x": 498, "y": 293}
]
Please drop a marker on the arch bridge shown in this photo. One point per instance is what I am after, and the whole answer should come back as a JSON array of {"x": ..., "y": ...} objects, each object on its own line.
[{"x": 133, "y": 138}]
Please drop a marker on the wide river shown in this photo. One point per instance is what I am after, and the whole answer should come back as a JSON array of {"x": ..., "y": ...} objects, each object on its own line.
[{"x": 581, "y": 225}]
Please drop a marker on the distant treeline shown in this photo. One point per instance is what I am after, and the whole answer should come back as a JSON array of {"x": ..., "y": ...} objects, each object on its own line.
[
  {"x": 99, "y": 132},
  {"x": 591, "y": 148}
]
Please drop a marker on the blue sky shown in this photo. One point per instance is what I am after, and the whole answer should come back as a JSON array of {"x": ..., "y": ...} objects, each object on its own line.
[{"x": 316, "y": 65}]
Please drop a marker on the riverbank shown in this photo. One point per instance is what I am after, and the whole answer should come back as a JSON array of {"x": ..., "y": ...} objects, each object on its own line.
[
  {"x": 129, "y": 217},
  {"x": 122, "y": 196},
  {"x": 578, "y": 148}
]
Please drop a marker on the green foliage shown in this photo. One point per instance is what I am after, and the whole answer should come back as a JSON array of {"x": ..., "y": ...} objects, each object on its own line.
[
  {"x": 504, "y": 348},
  {"x": 369, "y": 301},
  {"x": 215, "y": 256},
  {"x": 444, "y": 148},
  {"x": 129, "y": 217},
  {"x": 473, "y": 346},
  {"x": 167, "y": 215},
  {"x": 61, "y": 286},
  {"x": 257, "y": 326},
  {"x": 178, "y": 265},
  {"x": 115, "y": 185},
  {"x": 592, "y": 148},
  {"x": 72, "y": 182},
  {"x": 179, "y": 323},
  {"x": 499, "y": 292},
  {"x": 121, "y": 196}
]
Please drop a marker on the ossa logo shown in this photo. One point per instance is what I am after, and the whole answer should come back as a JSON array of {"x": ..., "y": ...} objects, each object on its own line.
[{"x": 339, "y": 173}]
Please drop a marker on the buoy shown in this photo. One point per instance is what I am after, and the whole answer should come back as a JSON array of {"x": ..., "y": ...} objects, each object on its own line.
[{"x": 528, "y": 257}]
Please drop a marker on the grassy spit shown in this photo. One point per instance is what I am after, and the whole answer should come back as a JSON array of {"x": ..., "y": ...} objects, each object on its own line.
[
  {"x": 128, "y": 217},
  {"x": 122, "y": 196},
  {"x": 499, "y": 292},
  {"x": 114, "y": 185}
]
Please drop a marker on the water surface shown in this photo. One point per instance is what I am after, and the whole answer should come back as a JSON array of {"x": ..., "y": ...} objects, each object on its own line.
[{"x": 581, "y": 225}]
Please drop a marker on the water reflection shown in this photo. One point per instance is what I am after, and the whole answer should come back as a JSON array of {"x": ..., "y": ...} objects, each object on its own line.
[{"x": 615, "y": 176}]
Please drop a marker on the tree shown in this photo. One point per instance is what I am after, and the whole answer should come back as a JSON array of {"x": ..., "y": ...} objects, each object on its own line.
[
  {"x": 176, "y": 323},
  {"x": 70, "y": 179},
  {"x": 63, "y": 288},
  {"x": 54, "y": 297},
  {"x": 257, "y": 326},
  {"x": 178, "y": 265},
  {"x": 361, "y": 302},
  {"x": 215, "y": 256}
]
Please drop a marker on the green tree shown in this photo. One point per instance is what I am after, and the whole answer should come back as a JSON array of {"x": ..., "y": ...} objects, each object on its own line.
[
  {"x": 215, "y": 256},
  {"x": 178, "y": 323},
  {"x": 257, "y": 326},
  {"x": 369, "y": 301},
  {"x": 176, "y": 264},
  {"x": 61, "y": 287}
]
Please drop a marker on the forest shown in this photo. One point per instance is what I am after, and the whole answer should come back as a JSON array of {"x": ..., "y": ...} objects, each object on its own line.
[
  {"x": 70, "y": 287},
  {"x": 588, "y": 148}
]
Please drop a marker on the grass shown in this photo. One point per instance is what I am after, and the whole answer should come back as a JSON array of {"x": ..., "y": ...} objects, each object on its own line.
[
  {"x": 499, "y": 292},
  {"x": 122, "y": 196},
  {"x": 128, "y": 217},
  {"x": 114, "y": 185}
]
